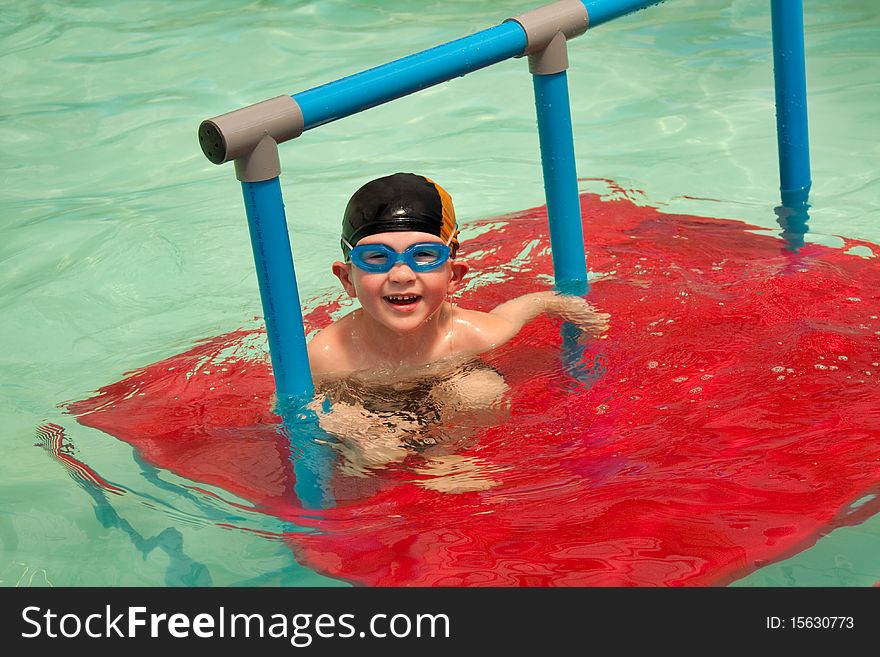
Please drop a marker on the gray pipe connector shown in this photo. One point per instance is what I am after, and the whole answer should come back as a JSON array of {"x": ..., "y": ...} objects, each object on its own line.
[
  {"x": 547, "y": 29},
  {"x": 251, "y": 135}
]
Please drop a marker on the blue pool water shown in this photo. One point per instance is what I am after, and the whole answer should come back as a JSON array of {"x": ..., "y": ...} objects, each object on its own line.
[{"x": 122, "y": 245}]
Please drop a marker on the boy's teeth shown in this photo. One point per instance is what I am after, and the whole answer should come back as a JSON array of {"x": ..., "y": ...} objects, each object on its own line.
[{"x": 396, "y": 298}]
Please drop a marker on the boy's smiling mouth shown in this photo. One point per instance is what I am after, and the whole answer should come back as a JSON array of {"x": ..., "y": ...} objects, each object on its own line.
[{"x": 403, "y": 301}]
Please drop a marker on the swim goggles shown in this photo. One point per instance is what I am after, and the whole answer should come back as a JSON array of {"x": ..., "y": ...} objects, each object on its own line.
[{"x": 380, "y": 258}]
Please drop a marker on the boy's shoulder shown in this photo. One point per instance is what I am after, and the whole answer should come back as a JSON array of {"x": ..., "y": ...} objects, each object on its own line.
[{"x": 330, "y": 349}]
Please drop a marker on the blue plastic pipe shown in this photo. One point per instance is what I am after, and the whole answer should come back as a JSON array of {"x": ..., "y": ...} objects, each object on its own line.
[
  {"x": 560, "y": 179},
  {"x": 602, "y": 11},
  {"x": 421, "y": 70},
  {"x": 789, "y": 72},
  {"x": 278, "y": 290},
  {"x": 375, "y": 86}
]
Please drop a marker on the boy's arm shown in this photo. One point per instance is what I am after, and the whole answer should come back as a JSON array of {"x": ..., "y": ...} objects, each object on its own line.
[{"x": 518, "y": 312}]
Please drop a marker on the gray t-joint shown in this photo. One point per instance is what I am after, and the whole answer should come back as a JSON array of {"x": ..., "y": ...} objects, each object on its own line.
[
  {"x": 547, "y": 29},
  {"x": 552, "y": 59},
  {"x": 250, "y": 136},
  {"x": 261, "y": 163}
]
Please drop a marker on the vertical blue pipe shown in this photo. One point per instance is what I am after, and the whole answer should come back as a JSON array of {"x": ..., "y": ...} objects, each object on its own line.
[
  {"x": 278, "y": 291},
  {"x": 789, "y": 72},
  {"x": 560, "y": 179}
]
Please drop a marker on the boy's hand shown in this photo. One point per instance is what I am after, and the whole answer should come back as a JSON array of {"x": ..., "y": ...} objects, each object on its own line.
[{"x": 578, "y": 311}]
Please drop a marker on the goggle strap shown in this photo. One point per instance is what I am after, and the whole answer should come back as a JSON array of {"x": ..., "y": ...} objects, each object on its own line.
[{"x": 447, "y": 243}]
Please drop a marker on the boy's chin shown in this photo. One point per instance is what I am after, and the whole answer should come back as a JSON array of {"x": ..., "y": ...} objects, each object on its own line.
[{"x": 410, "y": 322}]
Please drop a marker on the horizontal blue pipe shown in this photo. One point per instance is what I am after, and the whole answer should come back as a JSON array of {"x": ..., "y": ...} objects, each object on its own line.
[
  {"x": 278, "y": 290},
  {"x": 790, "y": 76},
  {"x": 602, "y": 11},
  {"x": 401, "y": 77},
  {"x": 560, "y": 178},
  {"x": 421, "y": 70}
]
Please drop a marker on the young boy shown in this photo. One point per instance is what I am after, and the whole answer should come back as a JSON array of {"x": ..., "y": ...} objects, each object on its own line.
[
  {"x": 404, "y": 359},
  {"x": 399, "y": 240}
]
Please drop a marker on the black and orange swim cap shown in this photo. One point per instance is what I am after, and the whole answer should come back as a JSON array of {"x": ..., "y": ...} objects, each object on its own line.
[{"x": 399, "y": 202}]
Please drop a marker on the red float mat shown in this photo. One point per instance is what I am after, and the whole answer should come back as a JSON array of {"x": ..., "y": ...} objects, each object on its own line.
[{"x": 737, "y": 419}]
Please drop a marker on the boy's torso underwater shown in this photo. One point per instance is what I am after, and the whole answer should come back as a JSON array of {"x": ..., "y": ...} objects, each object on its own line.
[{"x": 431, "y": 406}]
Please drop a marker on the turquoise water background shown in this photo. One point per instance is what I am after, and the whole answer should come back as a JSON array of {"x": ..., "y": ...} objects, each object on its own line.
[{"x": 122, "y": 245}]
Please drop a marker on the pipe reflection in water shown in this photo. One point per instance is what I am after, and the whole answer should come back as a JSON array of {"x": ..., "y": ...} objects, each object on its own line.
[
  {"x": 573, "y": 348},
  {"x": 181, "y": 570},
  {"x": 793, "y": 217},
  {"x": 311, "y": 450}
]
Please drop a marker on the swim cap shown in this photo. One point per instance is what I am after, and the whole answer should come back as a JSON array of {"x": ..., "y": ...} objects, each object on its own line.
[{"x": 399, "y": 202}]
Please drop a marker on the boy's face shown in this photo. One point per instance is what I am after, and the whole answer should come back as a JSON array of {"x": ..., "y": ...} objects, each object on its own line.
[{"x": 401, "y": 299}]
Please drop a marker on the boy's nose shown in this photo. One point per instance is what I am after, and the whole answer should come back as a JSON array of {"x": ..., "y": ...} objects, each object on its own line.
[{"x": 401, "y": 272}]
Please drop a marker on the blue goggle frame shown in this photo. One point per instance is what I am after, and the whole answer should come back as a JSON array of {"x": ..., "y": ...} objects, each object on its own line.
[{"x": 380, "y": 258}]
